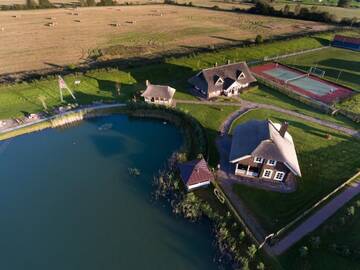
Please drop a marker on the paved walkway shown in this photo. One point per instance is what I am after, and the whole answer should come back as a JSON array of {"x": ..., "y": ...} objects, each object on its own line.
[
  {"x": 17, "y": 126},
  {"x": 315, "y": 220},
  {"x": 247, "y": 105}
]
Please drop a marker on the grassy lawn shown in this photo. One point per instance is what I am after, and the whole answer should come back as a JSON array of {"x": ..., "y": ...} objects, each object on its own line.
[
  {"x": 210, "y": 117},
  {"x": 325, "y": 163},
  {"x": 333, "y": 231},
  {"x": 100, "y": 84},
  {"x": 266, "y": 95},
  {"x": 332, "y": 61}
]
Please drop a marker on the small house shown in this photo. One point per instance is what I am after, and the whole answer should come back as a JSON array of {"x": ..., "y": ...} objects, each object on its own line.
[
  {"x": 158, "y": 94},
  {"x": 225, "y": 80},
  {"x": 264, "y": 150},
  {"x": 195, "y": 173}
]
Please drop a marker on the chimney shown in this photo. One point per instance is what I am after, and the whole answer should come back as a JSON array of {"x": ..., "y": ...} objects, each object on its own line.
[
  {"x": 147, "y": 83},
  {"x": 283, "y": 128}
]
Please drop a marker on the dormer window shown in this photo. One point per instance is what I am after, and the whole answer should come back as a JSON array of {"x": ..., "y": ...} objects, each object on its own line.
[
  {"x": 219, "y": 80},
  {"x": 271, "y": 162},
  {"x": 258, "y": 160},
  {"x": 241, "y": 75}
]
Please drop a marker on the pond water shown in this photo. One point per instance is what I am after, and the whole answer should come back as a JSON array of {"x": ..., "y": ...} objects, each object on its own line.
[{"x": 67, "y": 200}]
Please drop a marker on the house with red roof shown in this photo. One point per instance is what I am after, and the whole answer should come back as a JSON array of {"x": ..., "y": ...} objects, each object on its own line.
[{"x": 195, "y": 174}]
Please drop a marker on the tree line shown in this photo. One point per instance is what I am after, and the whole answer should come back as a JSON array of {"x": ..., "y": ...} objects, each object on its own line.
[
  {"x": 304, "y": 13},
  {"x": 40, "y": 4}
]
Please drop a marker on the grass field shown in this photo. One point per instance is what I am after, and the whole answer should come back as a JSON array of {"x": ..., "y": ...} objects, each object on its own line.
[
  {"x": 325, "y": 163},
  {"x": 265, "y": 95},
  {"x": 337, "y": 11},
  {"x": 210, "y": 117},
  {"x": 333, "y": 231},
  {"x": 335, "y": 62},
  {"x": 141, "y": 32},
  {"x": 340, "y": 65}
]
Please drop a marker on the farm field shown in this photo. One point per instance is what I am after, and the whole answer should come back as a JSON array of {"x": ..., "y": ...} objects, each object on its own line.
[
  {"x": 337, "y": 11},
  {"x": 140, "y": 32},
  {"x": 321, "y": 174},
  {"x": 339, "y": 243}
]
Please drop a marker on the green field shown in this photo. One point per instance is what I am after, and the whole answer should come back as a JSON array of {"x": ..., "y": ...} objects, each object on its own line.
[
  {"x": 325, "y": 163},
  {"x": 340, "y": 65},
  {"x": 266, "y": 95},
  {"x": 334, "y": 231},
  {"x": 337, "y": 11},
  {"x": 210, "y": 117}
]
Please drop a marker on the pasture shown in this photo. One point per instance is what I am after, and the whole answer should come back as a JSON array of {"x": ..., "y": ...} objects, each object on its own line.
[
  {"x": 125, "y": 32},
  {"x": 327, "y": 158},
  {"x": 337, "y": 11}
]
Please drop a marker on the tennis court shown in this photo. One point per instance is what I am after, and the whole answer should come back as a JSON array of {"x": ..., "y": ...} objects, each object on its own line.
[{"x": 302, "y": 83}]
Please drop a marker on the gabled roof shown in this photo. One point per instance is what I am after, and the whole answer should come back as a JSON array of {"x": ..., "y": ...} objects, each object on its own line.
[
  {"x": 262, "y": 139},
  {"x": 160, "y": 91},
  {"x": 207, "y": 78},
  {"x": 195, "y": 172}
]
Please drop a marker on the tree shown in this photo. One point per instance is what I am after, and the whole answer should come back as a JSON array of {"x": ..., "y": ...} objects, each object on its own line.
[
  {"x": 315, "y": 241},
  {"x": 245, "y": 263},
  {"x": 304, "y": 251},
  {"x": 350, "y": 211},
  {"x": 252, "y": 251},
  {"x": 260, "y": 266},
  {"x": 297, "y": 9},
  {"x": 259, "y": 39},
  {"x": 344, "y": 3},
  {"x": 31, "y": 4},
  {"x": 90, "y": 3},
  {"x": 286, "y": 10},
  {"x": 44, "y": 4}
]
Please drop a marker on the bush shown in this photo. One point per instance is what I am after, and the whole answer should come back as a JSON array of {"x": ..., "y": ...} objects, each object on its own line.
[
  {"x": 304, "y": 251},
  {"x": 259, "y": 39},
  {"x": 344, "y": 3}
]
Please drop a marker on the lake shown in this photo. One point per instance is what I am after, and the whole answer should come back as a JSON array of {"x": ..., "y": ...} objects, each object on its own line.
[{"x": 67, "y": 200}]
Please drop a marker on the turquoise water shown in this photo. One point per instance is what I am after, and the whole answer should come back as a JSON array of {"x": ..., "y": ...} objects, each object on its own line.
[{"x": 67, "y": 200}]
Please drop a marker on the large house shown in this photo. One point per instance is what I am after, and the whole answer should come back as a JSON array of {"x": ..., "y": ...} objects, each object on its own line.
[
  {"x": 225, "y": 80},
  {"x": 264, "y": 150},
  {"x": 158, "y": 94},
  {"x": 195, "y": 174}
]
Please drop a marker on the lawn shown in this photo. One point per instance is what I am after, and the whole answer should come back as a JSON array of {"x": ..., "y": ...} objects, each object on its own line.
[
  {"x": 210, "y": 117},
  {"x": 334, "y": 231},
  {"x": 340, "y": 65},
  {"x": 325, "y": 163},
  {"x": 266, "y": 95}
]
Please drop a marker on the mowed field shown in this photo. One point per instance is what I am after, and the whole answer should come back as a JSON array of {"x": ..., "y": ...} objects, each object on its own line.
[{"x": 28, "y": 44}]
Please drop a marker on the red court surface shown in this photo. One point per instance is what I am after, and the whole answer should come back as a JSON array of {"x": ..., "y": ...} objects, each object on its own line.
[{"x": 310, "y": 86}]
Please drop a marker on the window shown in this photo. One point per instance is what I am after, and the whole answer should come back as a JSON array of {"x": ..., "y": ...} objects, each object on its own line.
[
  {"x": 271, "y": 162},
  {"x": 279, "y": 176},
  {"x": 267, "y": 173},
  {"x": 219, "y": 81},
  {"x": 258, "y": 160}
]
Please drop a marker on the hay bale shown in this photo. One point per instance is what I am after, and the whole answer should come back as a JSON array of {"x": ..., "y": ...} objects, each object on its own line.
[
  {"x": 2, "y": 28},
  {"x": 51, "y": 24}
]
